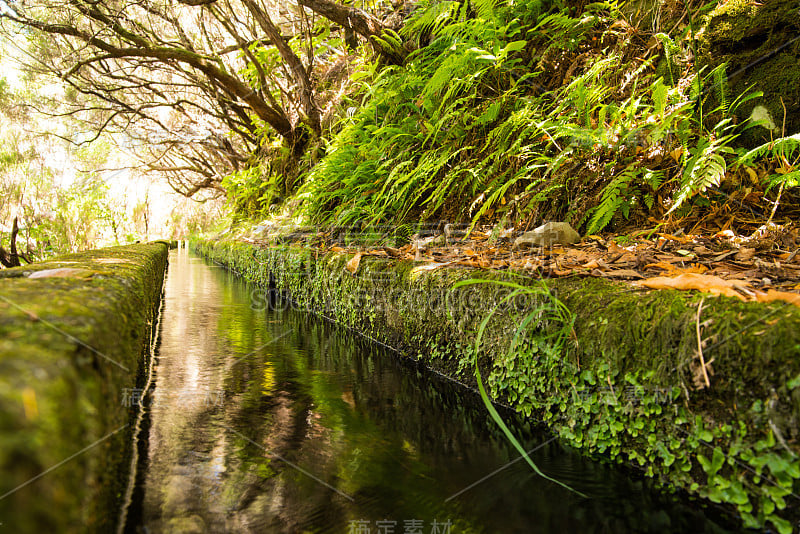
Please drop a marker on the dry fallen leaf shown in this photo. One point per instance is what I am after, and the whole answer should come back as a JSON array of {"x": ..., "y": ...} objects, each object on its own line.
[
  {"x": 352, "y": 265},
  {"x": 701, "y": 282},
  {"x": 724, "y": 255},
  {"x": 773, "y": 295},
  {"x": 674, "y": 270},
  {"x": 392, "y": 251},
  {"x": 431, "y": 266},
  {"x": 613, "y": 248},
  {"x": 627, "y": 257},
  {"x": 597, "y": 264},
  {"x": 679, "y": 239},
  {"x": 744, "y": 254},
  {"x": 627, "y": 274}
]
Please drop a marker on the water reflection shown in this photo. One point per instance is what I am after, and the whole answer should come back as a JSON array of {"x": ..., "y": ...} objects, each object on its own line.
[{"x": 272, "y": 421}]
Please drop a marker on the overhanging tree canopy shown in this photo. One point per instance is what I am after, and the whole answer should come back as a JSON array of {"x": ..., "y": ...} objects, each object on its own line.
[{"x": 196, "y": 86}]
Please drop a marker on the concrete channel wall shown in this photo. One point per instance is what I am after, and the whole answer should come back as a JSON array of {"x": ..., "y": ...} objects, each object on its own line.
[
  {"x": 73, "y": 333},
  {"x": 611, "y": 369}
]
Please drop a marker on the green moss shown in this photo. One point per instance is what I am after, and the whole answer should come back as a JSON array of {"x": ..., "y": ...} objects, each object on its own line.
[
  {"x": 621, "y": 389},
  {"x": 745, "y": 35},
  {"x": 68, "y": 349}
]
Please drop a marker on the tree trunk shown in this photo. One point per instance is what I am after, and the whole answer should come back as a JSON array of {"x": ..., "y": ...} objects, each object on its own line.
[
  {"x": 299, "y": 73},
  {"x": 11, "y": 259},
  {"x": 358, "y": 21}
]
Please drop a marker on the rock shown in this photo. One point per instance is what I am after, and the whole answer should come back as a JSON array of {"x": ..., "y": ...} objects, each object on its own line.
[
  {"x": 548, "y": 235},
  {"x": 761, "y": 115}
]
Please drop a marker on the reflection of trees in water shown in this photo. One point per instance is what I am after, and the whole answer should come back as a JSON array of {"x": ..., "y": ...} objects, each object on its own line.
[
  {"x": 431, "y": 430},
  {"x": 396, "y": 438}
]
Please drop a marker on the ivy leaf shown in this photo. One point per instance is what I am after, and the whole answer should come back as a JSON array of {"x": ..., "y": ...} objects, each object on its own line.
[
  {"x": 737, "y": 495},
  {"x": 783, "y": 526},
  {"x": 704, "y": 463},
  {"x": 718, "y": 459},
  {"x": 793, "y": 383}
]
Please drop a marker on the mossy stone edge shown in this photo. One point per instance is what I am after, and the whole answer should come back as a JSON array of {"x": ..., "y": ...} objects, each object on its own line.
[
  {"x": 70, "y": 349},
  {"x": 623, "y": 389}
]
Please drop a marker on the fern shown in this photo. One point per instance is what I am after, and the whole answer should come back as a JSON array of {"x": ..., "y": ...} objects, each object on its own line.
[
  {"x": 721, "y": 87},
  {"x": 784, "y": 147},
  {"x": 486, "y": 9},
  {"x": 789, "y": 179},
  {"x": 660, "y": 94},
  {"x": 612, "y": 198},
  {"x": 428, "y": 21},
  {"x": 464, "y": 127},
  {"x": 670, "y": 51},
  {"x": 787, "y": 151},
  {"x": 704, "y": 169}
]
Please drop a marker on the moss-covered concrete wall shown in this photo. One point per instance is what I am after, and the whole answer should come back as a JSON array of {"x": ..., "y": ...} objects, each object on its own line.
[
  {"x": 73, "y": 331},
  {"x": 625, "y": 383}
]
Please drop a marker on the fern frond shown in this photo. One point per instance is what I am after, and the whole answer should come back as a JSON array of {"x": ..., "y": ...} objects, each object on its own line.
[
  {"x": 428, "y": 21},
  {"x": 670, "y": 51},
  {"x": 486, "y": 9},
  {"x": 612, "y": 198},
  {"x": 704, "y": 169},
  {"x": 790, "y": 179},
  {"x": 784, "y": 147},
  {"x": 721, "y": 86}
]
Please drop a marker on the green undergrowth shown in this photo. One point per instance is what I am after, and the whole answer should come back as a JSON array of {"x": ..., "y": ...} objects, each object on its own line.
[
  {"x": 612, "y": 370},
  {"x": 537, "y": 110},
  {"x": 69, "y": 346}
]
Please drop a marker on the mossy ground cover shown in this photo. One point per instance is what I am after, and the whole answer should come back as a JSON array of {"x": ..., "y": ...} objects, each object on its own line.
[
  {"x": 627, "y": 384},
  {"x": 70, "y": 346}
]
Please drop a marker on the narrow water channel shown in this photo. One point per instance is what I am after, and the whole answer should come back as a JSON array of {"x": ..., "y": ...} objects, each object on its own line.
[{"x": 275, "y": 421}]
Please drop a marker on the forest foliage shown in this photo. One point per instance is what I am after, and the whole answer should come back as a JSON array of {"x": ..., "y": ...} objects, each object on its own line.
[
  {"x": 485, "y": 111},
  {"x": 529, "y": 111}
]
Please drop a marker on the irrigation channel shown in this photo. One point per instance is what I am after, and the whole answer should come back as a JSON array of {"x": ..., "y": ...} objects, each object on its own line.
[{"x": 268, "y": 419}]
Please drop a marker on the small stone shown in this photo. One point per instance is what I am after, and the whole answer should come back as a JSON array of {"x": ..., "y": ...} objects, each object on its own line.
[
  {"x": 547, "y": 235},
  {"x": 762, "y": 117}
]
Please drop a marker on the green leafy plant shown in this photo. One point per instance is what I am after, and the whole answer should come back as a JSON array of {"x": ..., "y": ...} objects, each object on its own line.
[
  {"x": 551, "y": 309},
  {"x": 620, "y": 194},
  {"x": 785, "y": 152},
  {"x": 704, "y": 167}
]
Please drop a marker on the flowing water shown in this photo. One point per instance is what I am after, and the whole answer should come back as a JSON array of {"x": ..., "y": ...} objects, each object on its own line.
[{"x": 276, "y": 421}]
